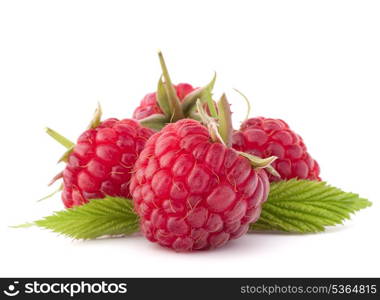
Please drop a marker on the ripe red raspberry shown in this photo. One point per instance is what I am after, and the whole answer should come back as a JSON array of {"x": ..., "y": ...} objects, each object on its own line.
[
  {"x": 192, "y": 193},
  {"x": 265, "y": 137},
  {"x": 170, "y": 102},
  {"x": 149, "y": 106},
  {"x": 101, "y": 161}
]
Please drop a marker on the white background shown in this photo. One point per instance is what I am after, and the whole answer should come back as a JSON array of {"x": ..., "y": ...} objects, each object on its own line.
[{"x": 315, "y": 64}]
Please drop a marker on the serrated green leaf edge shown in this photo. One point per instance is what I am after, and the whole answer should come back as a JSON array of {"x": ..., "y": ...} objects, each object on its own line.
[
  {"x": 99, "y": 217},
  {"x": 305, "y": 206},
  {"x": 299, "y": 206}
]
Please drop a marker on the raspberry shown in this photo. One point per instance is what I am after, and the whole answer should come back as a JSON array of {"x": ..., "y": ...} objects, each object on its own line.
[
  {"x": 148, "y": 105},
  {"x": 101, "y": 161},
  {"x": 192, "y": 193},
  {"x": 170, "y": 102},
  {"x": 264, "y": 137}
]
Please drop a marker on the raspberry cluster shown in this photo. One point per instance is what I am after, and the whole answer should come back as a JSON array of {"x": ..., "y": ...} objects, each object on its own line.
[{"x": 195, "y": 183}]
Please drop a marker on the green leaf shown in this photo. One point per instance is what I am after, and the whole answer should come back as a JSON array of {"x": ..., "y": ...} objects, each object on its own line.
[
  {"x": 306, "y": 206},
  {"x": 99, "y": 217},
  {"x": 300, "y": 206}
]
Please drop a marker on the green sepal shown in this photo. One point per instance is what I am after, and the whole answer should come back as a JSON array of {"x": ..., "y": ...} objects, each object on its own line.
[
  {"x": 219, "y": 123},
  {"x": 65, "y": 156},
  {"x": 162, "y": 98},
  {"x": 194, "y": 115},
  {"x": 155, "y": 122},
  {"x": 203, "y": 93},
  {"x": 55, "y": 178},
  {"x": 65, "y": 142},
  {"x": 247, "y": 102},
  {"x": 170, "y": 104},
  {"x": 210, "y": 122},
  {"x": 69, "y": 145},
  {"x": 171, "y": 94},
  {"x": 224, "y": 120},
  {"x": 96, "y": 119},
  {"x": 260, "y": 163},
  {"x": 60, "y": 188}
]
